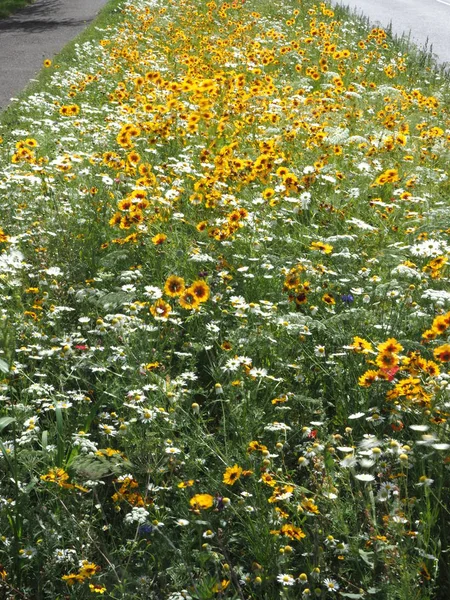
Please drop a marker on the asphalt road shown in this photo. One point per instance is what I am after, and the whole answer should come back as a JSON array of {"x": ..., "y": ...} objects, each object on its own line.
[
  {"x": 424, "y": 19},
  {"x": 35, "y": 33}
]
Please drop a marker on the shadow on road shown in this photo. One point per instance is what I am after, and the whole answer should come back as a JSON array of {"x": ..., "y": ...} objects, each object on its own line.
[
  {"x": 38, "y": 17},
  {"x": 38, "y": 25}
]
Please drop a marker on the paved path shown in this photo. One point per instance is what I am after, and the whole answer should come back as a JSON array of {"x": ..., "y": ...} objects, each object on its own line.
[
  {"x": 425, "y": 19},
  {"x": 37, "y": 32}
]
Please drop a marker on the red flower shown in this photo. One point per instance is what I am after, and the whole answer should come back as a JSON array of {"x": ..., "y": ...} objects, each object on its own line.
[{"x": 391, "y": 372}]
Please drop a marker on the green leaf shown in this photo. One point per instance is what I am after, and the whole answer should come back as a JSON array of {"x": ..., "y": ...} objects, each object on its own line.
[
  {"x": 30, "y": 486},
  {"x": 308, "y": 399},
  {"x": 44, "y": 441},
  {"x": 4, "y": 366},
  {"x": 111, "y": 259},
  {"x": 113, "y": 300},
  {"x": 355, "y": 596},
  {"x": 60, "y": 437},
  {"x": 97, "y": 467},
  {"x": 7, "y": 458},
  {"x": 366, "y": 558},
  {"x": 5, "y": 421}
]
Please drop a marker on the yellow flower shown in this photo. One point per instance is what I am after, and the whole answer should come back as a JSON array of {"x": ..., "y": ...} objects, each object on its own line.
[
  {"x": 368, "y": 378},
  {"x": 88, "y": 569},
  {"x": 133, "y": 158},
  {"x": 174, "y": 286},
  {"x": 232, "y": 474},
  {"x": 268, "y": 193},
  {"x": 387, "y": 360},
  {"x": 361, "y": 345},
  {"x": 69, "y": 110},
  {"x": 389, "y": 176},
  {"x": 441, "y": 324},
  {"x": 220, "y": 587},
  {"x": 73, "y": 578},
  {"x": 159, "y": 239},
  {"x": 200, "y": 290},
  {"x": 201, "y": 226},
  {"x": 185, "y": 484},
  {"x": 96, "y": 588},
  {"x": 328, "y": 299},
  {"x": 442, "y": 353},
  {"x": 255, "y": 446},
  {"x": 201, "y": 501},
  {"x": 55, "y": 475},
  {"x": 188, "y": 301},
  {"x": 431, "y": 368},
  {"x": 390, "y": 345},
  {"x": 161, "y": 310},
  {"x": 292, "y": 532},
  {"x": 3, "y": 236},
  {"x": 268, "y": 479},
  {"x": 309, "y": 506},
  {"x": 151, "y": 366},
  {"x": 428, "y": 335},
  {"x": 325, "y": 248}
]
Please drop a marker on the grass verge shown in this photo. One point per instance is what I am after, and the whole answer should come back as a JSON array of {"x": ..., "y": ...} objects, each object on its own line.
[
  {"x": 224, "y": 336},
  {"x": 8, "y": 7}
]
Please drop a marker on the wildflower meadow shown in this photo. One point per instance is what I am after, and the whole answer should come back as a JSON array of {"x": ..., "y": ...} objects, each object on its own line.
[{"x": 225, "y": 311}]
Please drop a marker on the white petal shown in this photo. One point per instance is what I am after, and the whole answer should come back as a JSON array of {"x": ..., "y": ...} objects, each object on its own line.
[{"x": 365, "y": 477}]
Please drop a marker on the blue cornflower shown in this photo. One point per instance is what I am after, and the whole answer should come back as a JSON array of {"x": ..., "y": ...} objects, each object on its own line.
[
  {"x": 347, "y": 298},
  {"x": 145, "y": 529}
]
